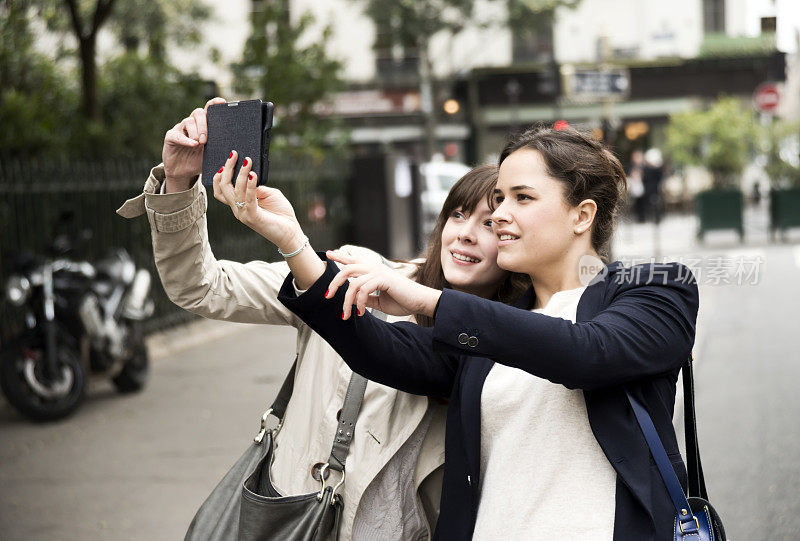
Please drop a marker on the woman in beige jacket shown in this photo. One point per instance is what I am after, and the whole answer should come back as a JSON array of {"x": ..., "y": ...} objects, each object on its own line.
[{"x": 394, "y": 469}]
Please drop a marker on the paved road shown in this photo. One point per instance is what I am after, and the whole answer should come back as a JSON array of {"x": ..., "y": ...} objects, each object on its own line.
[
  {"x": 748, "y": 400},
  {"x": 747, "y": 368},
  {"x": 136, "y": 468}
]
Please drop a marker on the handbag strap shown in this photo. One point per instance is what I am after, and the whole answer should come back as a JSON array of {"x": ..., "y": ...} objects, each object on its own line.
[
  {"x": 282, "y": 400},
  {"x": 694, "y": 467},
  {"x": 674, "y": 489},
  {"x": 348, "y": 415}
]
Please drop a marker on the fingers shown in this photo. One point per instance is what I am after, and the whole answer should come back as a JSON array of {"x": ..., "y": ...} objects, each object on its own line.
[
  {"x": 241, "y": 179},
  {"x": 199, "y": 117},
  {"x": 365, "y": 294},
  {"x": 357, "y": 293},
  {"x": 250, "y": 194},
  {"x": 176, "y": 135},
  {"x": 225, "y": 186},
  {"x": 341, "y": 277},
  {"x": 213, "y": 101},
  {"x": 190, "y": 128},
  {"x": 340, "y": 257}
]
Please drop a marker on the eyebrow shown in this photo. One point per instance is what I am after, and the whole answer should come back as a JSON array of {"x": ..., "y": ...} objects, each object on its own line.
[{"x": 516, "y": 188}]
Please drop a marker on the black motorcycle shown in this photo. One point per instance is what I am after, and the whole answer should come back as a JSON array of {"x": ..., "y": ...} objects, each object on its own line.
[{"x": 79, "y": 318}]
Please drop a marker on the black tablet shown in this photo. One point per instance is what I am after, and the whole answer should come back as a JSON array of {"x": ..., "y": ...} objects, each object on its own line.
[{"x": 243, "y": 126}]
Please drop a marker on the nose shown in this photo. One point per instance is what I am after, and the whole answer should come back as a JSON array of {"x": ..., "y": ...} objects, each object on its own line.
[
  {"x": 466, "y": 233},
  {"x": 500, "y": 214}
]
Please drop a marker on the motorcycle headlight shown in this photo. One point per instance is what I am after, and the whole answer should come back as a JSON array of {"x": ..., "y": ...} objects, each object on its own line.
[{"x": 18, "y": 288}]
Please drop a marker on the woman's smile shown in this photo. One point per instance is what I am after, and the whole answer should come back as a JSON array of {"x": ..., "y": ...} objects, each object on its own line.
[{"x": 463, "y": 258}]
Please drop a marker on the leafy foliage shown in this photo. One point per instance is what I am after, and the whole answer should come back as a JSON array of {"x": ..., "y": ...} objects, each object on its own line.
[
  {"x": 139, "y": 93},
  {"x": 279, "y": 67},
  {"x": 781, "y": 145},
  {"x": 35, "y": 96},
  {"x": 721, "y": 138}
]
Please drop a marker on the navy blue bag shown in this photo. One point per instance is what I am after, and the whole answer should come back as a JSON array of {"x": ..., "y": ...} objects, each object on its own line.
[{"x": 695, "y": 518}]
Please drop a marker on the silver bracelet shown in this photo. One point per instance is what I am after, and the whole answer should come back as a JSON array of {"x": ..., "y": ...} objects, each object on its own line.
[{"x": 287, "y": 256}]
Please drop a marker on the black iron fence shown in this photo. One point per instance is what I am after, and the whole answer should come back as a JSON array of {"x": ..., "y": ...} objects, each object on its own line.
[{"x": 35, "y": 197}]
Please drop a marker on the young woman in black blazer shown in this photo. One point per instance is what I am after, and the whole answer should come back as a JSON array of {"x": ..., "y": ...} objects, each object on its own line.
[{"x": 555, "y": 203}]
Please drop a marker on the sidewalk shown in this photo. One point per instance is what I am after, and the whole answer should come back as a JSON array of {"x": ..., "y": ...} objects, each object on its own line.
[{"x": 676, "y": 235}]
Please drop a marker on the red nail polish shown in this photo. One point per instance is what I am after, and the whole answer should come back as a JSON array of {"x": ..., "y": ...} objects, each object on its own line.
[
  {"x": 220, "y": 169},
  {"x": 361, "y": 312},
  {"x": 230, "y": 155},
  {"x": 245, "y": 162},
  {"x": 326, "y": 293},
  {"x": 249, "y": 176},
  {"x": 342, "y": 314}
]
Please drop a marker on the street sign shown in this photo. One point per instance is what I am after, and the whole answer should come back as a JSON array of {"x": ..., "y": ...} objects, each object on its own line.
[
  {"x": 597, "y": 84},
  {"x": 766, "y": 98}
]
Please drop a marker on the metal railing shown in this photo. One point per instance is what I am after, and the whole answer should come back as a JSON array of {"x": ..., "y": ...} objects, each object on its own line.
[{"x": 35, "y": 195}]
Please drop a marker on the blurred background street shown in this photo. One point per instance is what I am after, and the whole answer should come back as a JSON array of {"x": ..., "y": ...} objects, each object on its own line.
[{"x": 380, "y": 106}]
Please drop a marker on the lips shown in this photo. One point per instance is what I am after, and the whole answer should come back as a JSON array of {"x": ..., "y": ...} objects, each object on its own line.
[
  {"x": 463, "y": 258},
  {"x": 506, "y": 237}
]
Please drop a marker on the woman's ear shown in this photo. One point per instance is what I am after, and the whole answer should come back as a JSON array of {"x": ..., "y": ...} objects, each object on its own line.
[{"x": 586, "y": 211}]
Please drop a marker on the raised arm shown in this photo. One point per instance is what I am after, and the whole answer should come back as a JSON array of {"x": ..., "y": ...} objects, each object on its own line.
[
  {"x": 192, "y": 276},
  {"x": 175, "y": 203},
  {"x": 647, "y": 329},
  {"x": 399, "y": 355}
]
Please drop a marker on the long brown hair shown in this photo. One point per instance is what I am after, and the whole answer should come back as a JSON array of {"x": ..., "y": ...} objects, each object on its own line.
[
  {"x": 585, "y": 169},
  {"x": 465, "y": 195}
]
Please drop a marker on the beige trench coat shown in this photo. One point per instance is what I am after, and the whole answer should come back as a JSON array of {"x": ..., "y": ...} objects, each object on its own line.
[{"x": 195, "y": 280}]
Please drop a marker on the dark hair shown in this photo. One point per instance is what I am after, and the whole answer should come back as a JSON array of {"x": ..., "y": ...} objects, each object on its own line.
[
  {"x": 466, "y": 194},
  {"x": 585, "y": 168}
]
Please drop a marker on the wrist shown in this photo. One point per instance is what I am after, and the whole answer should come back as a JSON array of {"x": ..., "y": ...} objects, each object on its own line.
[
  {"x": 178, "y": 184},
  {"x": 430, "y": 301},
  {"x": 295, "y": 240}
]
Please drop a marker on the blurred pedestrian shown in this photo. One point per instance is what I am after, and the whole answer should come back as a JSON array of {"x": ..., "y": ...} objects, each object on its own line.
[
  {"x": 652, "y": 178},
  {"x": 755, "y": 195},
  {"x": 636, "y": 186}
]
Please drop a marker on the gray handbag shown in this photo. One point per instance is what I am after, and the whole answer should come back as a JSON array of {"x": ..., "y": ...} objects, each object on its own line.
[{"x": 245, "y": 506}]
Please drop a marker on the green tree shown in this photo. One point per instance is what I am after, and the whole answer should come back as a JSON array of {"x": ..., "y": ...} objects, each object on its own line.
[
  {"x": 138, "y": 95},
  {"x": 35, "y": 95},
  {"x": 142, "y": 98},
  {"x": 156, "y": 23},
  {"x": 720, "y": 138},
  {"x": 779, "y": 142},
  {"x": 295, "y": 77}
]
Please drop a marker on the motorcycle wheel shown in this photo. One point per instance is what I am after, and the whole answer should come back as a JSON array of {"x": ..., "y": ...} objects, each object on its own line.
[
  {"x": 133, "y": 375},
  {"x": 21, "y": 382}
]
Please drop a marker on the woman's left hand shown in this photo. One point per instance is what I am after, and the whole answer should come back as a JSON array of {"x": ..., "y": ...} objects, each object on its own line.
[
  {"x": 398, "y": 295},
  {"x": 265, "y": 210}
]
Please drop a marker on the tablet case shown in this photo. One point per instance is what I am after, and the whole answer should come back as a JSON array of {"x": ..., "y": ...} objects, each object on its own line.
[{"x": 243, "y": 126}]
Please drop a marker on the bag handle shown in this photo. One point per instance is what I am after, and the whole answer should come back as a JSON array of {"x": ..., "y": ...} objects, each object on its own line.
[
  {"x": 278, "y": 407},
  {"x": 694, "y": 467},
  {"x": 346, "y": 429},
  {"x": 684, "y": 513}
]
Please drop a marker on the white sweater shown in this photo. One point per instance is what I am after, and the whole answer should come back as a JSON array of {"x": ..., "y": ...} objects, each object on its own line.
[{"x": 543, "y": 474}]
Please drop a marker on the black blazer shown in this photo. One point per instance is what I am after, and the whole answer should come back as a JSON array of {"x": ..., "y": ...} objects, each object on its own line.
[{"x": 635, "y": 327}]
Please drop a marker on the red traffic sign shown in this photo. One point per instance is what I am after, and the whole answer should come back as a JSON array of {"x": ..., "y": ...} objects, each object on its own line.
[{"x": 766, "y": 98}]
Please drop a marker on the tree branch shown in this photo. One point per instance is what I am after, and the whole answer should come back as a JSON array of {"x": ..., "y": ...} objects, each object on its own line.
[
  {"x": 75, "y": 18},
  {"x": 101, "y": 13}
]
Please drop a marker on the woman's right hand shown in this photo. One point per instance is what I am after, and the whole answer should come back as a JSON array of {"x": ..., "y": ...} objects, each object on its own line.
[
  {"x": 265, "y": 210},
  {"x": 396, "y": 295},
  {"x": 183, "y": 149}
]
